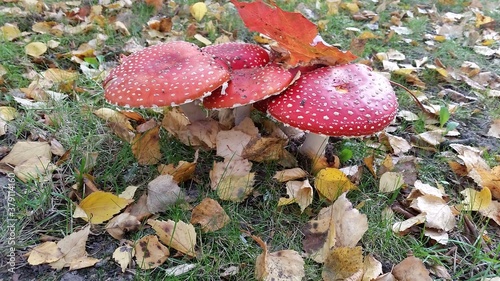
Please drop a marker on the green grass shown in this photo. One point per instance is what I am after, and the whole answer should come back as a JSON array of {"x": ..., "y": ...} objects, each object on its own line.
[{"x": 46, "y": 208}]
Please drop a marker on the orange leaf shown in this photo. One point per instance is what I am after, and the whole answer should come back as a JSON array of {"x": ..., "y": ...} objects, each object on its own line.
[{"x": 291, "y": 31}]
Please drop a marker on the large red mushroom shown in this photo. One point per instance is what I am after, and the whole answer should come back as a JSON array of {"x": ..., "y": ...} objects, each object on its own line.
[
  {"x": 239, "y": 55},
  {"x": 247, "y": 86},
  {"x": 342, "y": 101},
  {"x": 167, "y": 74}
]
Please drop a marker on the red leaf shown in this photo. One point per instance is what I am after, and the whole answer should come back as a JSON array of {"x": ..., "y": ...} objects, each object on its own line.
[{"x": 293, "y": 32}]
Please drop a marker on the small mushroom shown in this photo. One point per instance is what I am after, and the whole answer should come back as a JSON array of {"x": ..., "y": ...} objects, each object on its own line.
[
  {"x": 342, "y": 101},
  {"x": 247, "y": 86},
  {"x": 239, "y": 55},
  {"x": 167, "y": 74}
]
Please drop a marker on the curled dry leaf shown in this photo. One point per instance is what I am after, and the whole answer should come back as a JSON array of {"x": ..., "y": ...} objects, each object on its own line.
[
  {"x": 150, "y": 253},
  {"x": 182, "y": 172},
  {"x": 163, "y": 192},
  {"x": 372, "y": 268},
  {"x": 210, "y": 215},
  {"x": 35, "y": 168},
  {"x": 283, "y": 265},
  {"x": 290, "y": 174},
  {"x": 121, "y": 224},
  {"x": 494, "y": 130},
  {"x": 300, "y": 192},
  {"x": 178, "y": 235},
  {"x": 403, "y": 227}
]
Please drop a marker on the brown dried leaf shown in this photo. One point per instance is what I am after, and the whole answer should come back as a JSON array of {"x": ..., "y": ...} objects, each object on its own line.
[
  {"x": 150, "y": 253},
  {"x": 232, "y": 179},
  {"x": 146, "y": 147},
  {"x": 300, "y": 192},
  {"x": 411, "y": 269},
  {"x": 210, "y": 215}
]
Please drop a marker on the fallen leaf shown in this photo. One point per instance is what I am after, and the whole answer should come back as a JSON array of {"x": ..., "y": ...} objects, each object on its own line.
[
  {"x": 494, "y": 130},
  {"x": 331, "y": 183},
  {"x": 25, "y": 150},
  {"x": 46, "y": 252},
  {"x": 73, "y": 249},
  {"x": 163, "y": 192},
  {"x": 300, "y": 40},
  {"x": 179, "y": 269},
  {"x": 119, "y": 225},
  {"x": 290, "y": 174},
  {"x": 35, "y": 49},
  {"x": 339, "y": 225},
  {"x": 391, "y": 181},
  {"x": 283, "y": 265},
  {"x": 123, "y": 256},
  {"x": 146, "y": 147},
  {"x": 150, "y": 253},
  {"x": 178, "y": 235},
  {"x": 210, "y": 215},
  {"x": 35, "y": 168},
  {"x": 343, "y": 263},
  {"x": 8, "y": 113},
  {"x": 198, "y": 10},
  {"x": 232, "y": 179},
  {"x": 182, "y": 172},
  {"x": 475, "y": 200},
  {"x": 372, "y": 268},
  {"x": 101, "y": 206},
  {"x": 230, "y": 144},
  {"x": 411, "y": 269},
  {"x": 300, "y": 192},
  {"x": 403, "y": 227},
  {"x": 263, "y": 149},
  {"x": 10, "y": 32}
]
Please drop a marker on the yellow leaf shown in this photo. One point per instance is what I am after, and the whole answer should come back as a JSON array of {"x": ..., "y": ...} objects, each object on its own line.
[
  {"x": 35, "y": 49},
  {"x": 198, "y": 10},
  {"x": 10, "y": 32},
  {"x": 351, "y": 7},
  {"x": 8, "y": 113},
  {"x": 101, "y": 206},
  {"x": 123, "y": 256},
  {"x": 59, "y": 75},
  {"x": 332, "y": 182},
  {"x": 25, "y": 150},
  {"x": 476, "y": 200},
  {"x": 344, "y": 263},
  {"x": 178, "y": 235},
  {"x": 440, "y": 38},
  {"x": 44, "y": 253}
]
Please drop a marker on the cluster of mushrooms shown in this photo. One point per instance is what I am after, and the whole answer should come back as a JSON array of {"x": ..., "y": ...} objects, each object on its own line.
[{"x": 343, "y": 101}]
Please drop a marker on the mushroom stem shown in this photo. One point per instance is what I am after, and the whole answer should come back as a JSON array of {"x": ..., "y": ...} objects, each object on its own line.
[
  {"x": 241, "y": 112},
  {"x": 314, "y": 145},
  {"x": 193, "y": 111}
]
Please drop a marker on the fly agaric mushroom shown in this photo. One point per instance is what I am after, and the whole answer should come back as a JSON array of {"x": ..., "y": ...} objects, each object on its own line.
[
  {"x": 247, "y": 86},
  {"x": 167, "y": 74},
  {"x": 239, "y": 55},
  {"x": 343, "y": 101}
]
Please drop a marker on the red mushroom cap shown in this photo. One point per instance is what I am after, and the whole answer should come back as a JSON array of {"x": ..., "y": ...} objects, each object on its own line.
[
  {"x": 347, "y": 100},
  {"x": 165, "y": 74},
  {"x": 249, "y": 85},
  {"x": 239, "y": 55}
]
